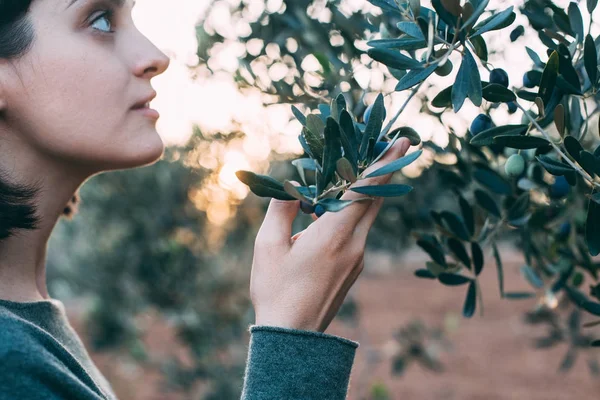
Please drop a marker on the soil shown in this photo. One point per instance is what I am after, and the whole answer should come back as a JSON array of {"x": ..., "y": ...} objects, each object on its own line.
[{"x": 491, "y": 357}]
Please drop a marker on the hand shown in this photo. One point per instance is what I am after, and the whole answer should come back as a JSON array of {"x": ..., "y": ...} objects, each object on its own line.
[{"x": 301, "y": 282}]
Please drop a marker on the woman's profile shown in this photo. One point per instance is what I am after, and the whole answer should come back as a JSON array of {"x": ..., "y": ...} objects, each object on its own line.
[{"x": 75, "y": 83}]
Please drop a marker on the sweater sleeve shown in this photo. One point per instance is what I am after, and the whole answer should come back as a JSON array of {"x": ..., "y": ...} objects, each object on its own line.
[{"x": 295, "y": 364}]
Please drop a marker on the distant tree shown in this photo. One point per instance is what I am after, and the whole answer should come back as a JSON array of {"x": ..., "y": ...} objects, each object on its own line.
[{"x": 140, "y": 244}]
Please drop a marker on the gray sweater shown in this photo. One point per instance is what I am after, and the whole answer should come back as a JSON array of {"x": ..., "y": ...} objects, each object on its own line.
[{"x": 41, "y": 357}]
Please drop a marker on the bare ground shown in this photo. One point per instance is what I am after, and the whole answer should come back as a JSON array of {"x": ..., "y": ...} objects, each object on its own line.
[{"x": 492, "y": 357}]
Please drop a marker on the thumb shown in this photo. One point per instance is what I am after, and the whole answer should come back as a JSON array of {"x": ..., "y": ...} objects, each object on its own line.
[{"x": 277, "y": 225}]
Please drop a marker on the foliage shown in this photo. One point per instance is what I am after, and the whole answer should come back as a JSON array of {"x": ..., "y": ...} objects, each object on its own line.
[
  {"x": 153, "y": 251},
  {"x": 557, "y": 186}
]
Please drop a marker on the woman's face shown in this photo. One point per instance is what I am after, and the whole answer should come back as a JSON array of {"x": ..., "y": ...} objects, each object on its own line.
[{"x": 70, "y": 98}]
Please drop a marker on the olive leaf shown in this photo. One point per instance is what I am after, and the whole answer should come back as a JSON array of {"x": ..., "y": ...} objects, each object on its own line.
[
  {"x": 396, "y": 164},
  {"x": 345, "y": 170},
  {"x": 575, "y": 20},
  {"x": 263, "y": 185},
  {"x": 292, "y": 190},
  {"x": 573, "y": 147},
  {"x": 486, "y": 137},
  {"x": 414, "y": 77},
  {"x": 460, "y": 252},
  {"x": 431, "y": 246},
  {"x": 592, "y": 227},
  {"x": 553, "y": 166},
  {"x": 486, "y": 202},
  {"x": 334, "y": 205},
  {"x": 496, "y": 21},
  {"x": 467, "y": 214},
  {"x": 532, "y": 277},
  {"x": 588, "y": 162},
  {"x": 499, "y": 269},
  {"x": 467, "y": 84},
  {"x": 348, "y": 138},
  {"x": 519, "y": 295},
  {"x": 424, "y": 273},
  {"x": 315, "y": 125},
  {"x": 472, "y": 19},
  {"x": 393, "y": 59},
  {"x": 391, "y": 190},
  {"x": 299, "y": 116},
  {"x": 404, "y": 43},
  {"x": 492, "y": 180},
  {"x": 590, "y": 59},
  {"x": 455, "y": 224},
  {"x": 549, "y": 77},
  {"x": 314, "y": 142},
  {"x": 559, "y": 119},
  {"x": 304, "y": 163},
  {"x": 373, "y": 128},
  {"x": 521, "y": 142},
  {"x": 470, "y": 301},
  {"x": 477, "y": 256},
  {"x": 407, "y": 132},
  {"x": 331, "y": 153},
  {"x": 411, "y": 29},
  {"x": 497, "y": 93},
  {"x": 453, "y": 279}
]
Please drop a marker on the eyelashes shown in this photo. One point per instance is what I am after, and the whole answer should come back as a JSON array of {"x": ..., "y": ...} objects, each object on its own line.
[{"x": 107, "y": 15}]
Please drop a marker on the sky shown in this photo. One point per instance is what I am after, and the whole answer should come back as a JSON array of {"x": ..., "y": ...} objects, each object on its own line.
[
  {"x": 172, "y": 29},
  {"x": 215, "y": 104}
]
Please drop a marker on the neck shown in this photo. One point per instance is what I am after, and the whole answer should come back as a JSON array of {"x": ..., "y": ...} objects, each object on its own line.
[{"x": 23, "y": 255}]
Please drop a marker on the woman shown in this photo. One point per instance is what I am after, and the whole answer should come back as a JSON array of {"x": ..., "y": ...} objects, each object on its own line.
[{"x": 74, "y": 92}]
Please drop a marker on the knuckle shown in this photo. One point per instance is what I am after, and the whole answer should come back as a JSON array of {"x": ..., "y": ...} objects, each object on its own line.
[
  {"x": 264, "y": 243},
  {"x": 358, "y": 254},
  {"x": 338, "y": 244},
  {"x": 359, "y": 268}
]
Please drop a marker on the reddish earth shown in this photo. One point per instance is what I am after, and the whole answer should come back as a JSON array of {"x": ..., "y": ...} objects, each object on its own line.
[{"x": 492, "y": 356}]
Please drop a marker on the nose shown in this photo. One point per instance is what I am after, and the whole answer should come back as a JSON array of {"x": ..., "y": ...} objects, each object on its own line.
[{"x": 151, "y": 61}]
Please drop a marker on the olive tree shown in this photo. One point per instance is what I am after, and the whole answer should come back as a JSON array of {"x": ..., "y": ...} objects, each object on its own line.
[{"x": 536, "y": 180}]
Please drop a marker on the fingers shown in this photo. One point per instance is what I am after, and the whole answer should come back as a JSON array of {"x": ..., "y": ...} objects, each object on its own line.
[
  {"x": 367, "y": 221},
  {"x": 276, "y": 228},
  {"x": 296, "y": 236},
  {"x": 354, "y": 213}
]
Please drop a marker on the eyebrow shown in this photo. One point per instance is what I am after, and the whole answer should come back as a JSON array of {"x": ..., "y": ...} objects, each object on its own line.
[{"x": 117, "y": 3}]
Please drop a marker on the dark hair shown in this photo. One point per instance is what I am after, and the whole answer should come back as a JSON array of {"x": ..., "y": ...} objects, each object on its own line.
[
  {"x": 17, "y": 206},
  {"x": 16, "y": 32}
]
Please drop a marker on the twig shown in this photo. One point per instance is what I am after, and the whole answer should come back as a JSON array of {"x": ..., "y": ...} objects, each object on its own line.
[
  {"x": 389, "y": 124},
  {"x": 558, "y": 150}
]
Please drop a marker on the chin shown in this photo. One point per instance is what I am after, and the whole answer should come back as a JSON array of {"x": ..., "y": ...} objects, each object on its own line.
[
  {"x": 146, "y": 149},
  {"x": 150, "y": 150}
]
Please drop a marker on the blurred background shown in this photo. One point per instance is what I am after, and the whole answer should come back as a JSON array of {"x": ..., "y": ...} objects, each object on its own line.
[{"x": 154, "y": 269}]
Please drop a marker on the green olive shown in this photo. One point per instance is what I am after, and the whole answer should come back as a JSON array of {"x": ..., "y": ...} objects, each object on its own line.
[
  {"x": 515, "y": 165},
  {"x": 444, "y": 69}
]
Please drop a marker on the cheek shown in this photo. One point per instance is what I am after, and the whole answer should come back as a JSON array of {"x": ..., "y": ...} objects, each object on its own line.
[{"x": 76, "y": 100}]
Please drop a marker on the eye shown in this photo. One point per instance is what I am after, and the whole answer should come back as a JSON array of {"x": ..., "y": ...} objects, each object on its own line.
[{"x": 103, "y": 22}]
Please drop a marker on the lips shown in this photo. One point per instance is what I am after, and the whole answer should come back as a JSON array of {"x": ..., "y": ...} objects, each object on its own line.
[
  {"x": 137, "y": 107},
  {"x": 144, "y": 102}
]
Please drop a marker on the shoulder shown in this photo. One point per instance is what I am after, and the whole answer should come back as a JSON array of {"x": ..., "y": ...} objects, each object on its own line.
[
  {"x": 29, "y": 368},
  {"x": 17, "y": 337}
]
